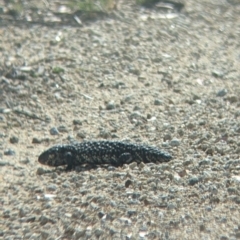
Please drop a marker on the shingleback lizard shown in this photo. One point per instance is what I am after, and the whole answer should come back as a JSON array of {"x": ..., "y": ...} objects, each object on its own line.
[{"x": 101, "y": 152}]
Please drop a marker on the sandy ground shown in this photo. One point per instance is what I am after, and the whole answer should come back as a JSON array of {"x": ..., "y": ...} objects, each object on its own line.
[{"x": 168, "y": 79}]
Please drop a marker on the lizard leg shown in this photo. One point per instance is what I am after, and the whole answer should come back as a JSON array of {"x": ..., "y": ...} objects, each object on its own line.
[{"x": 68, "y": 159}]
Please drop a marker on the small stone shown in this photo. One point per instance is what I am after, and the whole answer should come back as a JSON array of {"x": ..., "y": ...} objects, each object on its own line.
[
  {"x": 134, "y": 71},
  {"x": 175, "y": 143},
  {"x": 9, "y": 152},
  {"x": 23, "y": 212},
  {"x": 167, "y": 136},
  {"x": 237, "y": 234},
  {"x": 28, "y": 219},
  {"x": 62, "y": 129},
  {"x": 202, "y": 227},
  {"x": 141, "y": 165},
  {"x": 217, "y": 73},
  {"x": 79, "y": 234},
  {"x": 224, "y": 237},
  {"x": 131, "y": 212},
  {"x": 208, "y": 208},
  {"x": 111, "y": 168},
  {"x": 202, "y": 122},
  {"x": 222, "y": 93},
  {"x": 98, "y": 232},
  {"x": 36, "y": 140},
  {"x": 110, "y": 105},
  {"x": 43, "y": 220},
  {"x": 104, "y": 133},
  {"x": 132, "y": 165},
  {"x": 44, "y": 235},
  {"x": 158, "y": 102},
  {"x": 3, "y": 163},
  {"x": 40, "y": 171},
  {"x": 192, "y": 181},
  {"x": 52, "y": 187},
  {"x": 141, "y": 78},
  {"x": 205, "y": 162},
  {"x": 6, "y": 214},
  {"x": 25, "y": 161},
  {"x": 171, "y": 206},
  {"x": 54, "y": 131},
  {"x": 77, "y": 122},
  {"x": 14, "y": 139},
  {"x": 2, "y": 119},
  {"x": 101, "y": 214},
  {"x": 69, "y": 231},
  {"x": 232, "y": 98},
  {"x": 182, "y": 173},
  {"x": 128, "y": 183},
  {"x": 190, "y": 125},
  {"x": 81, "y": 134}
]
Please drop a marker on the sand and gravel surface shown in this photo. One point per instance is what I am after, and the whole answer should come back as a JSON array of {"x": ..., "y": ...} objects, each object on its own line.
[{"x": 168, "y": 79}]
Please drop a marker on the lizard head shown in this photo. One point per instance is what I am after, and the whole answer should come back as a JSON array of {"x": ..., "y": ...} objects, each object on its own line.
[{"x": 55, "y": 156}]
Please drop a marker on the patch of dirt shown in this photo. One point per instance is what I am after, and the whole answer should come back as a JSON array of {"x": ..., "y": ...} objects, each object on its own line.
[{"x": 169, "y": 79}]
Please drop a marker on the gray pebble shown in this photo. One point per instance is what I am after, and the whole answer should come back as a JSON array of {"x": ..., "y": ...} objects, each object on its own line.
[
  {"x": 110, "y": 105},
  {"x": 134, "y": 71},
  {"x": 82, "y": 134},
  {"x": 98, "y": 232},
  {"x": 232, "y": 98},
  {"x": 3, "y": 163},
  {"x": 28, "y": 219},
  {"x": 52, "y": 187},
  {"x": 222, "y": 93},
  {"x": 208, "y": 208},
  {"x": 205, "y": 162},
  {"x": 175, "y": 142},
  {"x": 131, "y": 212},
  {"x": 22, "y": 212},
  {"x": 223, "y": 237},
  {"x": 79, "y": 233},
  {"x": 217, "y": 73},
  {"x": 132, "y": 165},
  {"x": 171, "y": 206},
  {"x": 54, "y": 131},
  {"x": 44, "y": 235},
  {"x": 25, "y": 161},
  {"x": 36, "y": 140},
  {"x": 62, "y": 129},
  {"x": 192, "y": 181},
  {"x": 40, "y": 171},
  {"x": 158, "y": 102},
  {"x": 14, "y": 139},
  {"x": 128, "y": 183},
  {"x": 9, "y": 152},
  {"x": 77, "y": 122}
]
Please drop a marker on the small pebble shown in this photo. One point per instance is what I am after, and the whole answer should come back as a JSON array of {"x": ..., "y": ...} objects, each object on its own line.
[
  {"x": 9, "y": 152},
  {"x": 36, "y": 140},
  {"x": 3, "y": 163},
  {"x": 158, "y": 102},
  {"x": 54, "y": 131},
  {"x": 217, "y": 73},
  {"x": 192, "y": 181},
  {"x": 175, "y": 142},
  {"x": 222, "y": 93},
  {"x": 110, "y": 105},
  {"x": 14, "y": 139}
]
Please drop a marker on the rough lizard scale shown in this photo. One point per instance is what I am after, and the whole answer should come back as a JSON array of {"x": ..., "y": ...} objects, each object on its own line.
[{"x": 101, "y": 152}]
